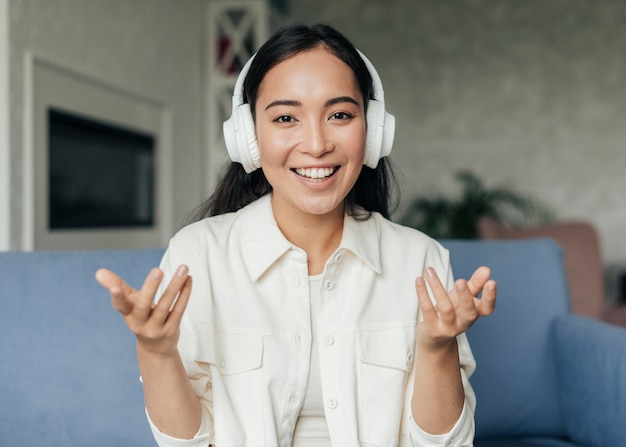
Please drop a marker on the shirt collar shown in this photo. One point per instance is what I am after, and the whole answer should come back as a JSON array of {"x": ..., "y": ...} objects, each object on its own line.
[
  {"x": 362, "y": 237},
  {"x": 264, "y": 243}
]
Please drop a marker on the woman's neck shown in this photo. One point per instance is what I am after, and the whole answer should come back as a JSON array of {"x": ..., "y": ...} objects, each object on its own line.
[{"x": 318, "y": 235}]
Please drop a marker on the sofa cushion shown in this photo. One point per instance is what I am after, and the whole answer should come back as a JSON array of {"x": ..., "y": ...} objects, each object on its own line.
[
  {"x": 516, "y": 378},
  {"x": 68, "y": 369},
  {"x": 592, "y": 363},
  {"x": 503, "y": 442},
  {"x": 527, "y": 442}
]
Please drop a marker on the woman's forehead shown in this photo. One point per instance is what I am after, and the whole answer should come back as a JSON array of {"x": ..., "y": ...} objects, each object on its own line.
[{"x": 308, "y": 72}]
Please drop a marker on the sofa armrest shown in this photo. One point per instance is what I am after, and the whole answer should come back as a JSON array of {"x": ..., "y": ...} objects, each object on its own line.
[{"x": 591, "y": 363}]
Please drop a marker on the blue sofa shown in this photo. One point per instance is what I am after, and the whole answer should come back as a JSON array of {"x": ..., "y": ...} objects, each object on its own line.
[{"x": 68, "y": 373}]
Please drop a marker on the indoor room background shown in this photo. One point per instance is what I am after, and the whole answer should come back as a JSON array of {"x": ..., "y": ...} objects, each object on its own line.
[{"x": 524, "y": 94}]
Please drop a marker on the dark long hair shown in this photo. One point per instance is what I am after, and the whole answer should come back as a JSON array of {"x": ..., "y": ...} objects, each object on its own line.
[{"x": 374, "y": 190}]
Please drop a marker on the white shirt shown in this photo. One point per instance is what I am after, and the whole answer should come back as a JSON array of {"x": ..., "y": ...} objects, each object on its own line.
[{"x": 246, "y": 334}]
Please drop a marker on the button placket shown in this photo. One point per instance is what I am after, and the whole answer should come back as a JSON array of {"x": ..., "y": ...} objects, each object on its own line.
[
  {"x": 299, "y": 362},
  {"x": 329, "y": 340},
  {"x": 329, "y": 285},
  {"x": 328, "y": 352}
]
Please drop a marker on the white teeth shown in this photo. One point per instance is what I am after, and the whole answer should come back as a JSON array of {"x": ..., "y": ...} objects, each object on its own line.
[{"x": 316, "y": 173}]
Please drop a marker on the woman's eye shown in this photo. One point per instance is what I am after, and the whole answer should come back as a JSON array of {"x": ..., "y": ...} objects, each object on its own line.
[
  {"x": 341, "y": 116},
  {"x": 284, "y": 119}
]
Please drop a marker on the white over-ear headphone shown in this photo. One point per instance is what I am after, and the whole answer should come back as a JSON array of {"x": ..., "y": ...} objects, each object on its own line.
[{"x": 240, "y": 136}]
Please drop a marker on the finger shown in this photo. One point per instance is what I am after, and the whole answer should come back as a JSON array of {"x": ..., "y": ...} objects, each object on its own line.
[
  {"x": 444, "y": 305},
  {"x": 175, "y": 315},
  {"x": 423, "y": 298},
  {"x": 486, "y": 305},
  {"x": 145, "y": 300},
  {"x": 464, "y": 298},
  {"x": 478, "y": 280},
  {"x": 172, "y": 292}
]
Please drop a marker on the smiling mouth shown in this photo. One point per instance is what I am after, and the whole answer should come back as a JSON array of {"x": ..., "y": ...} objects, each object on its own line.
[{"x": 316, "y": 173}]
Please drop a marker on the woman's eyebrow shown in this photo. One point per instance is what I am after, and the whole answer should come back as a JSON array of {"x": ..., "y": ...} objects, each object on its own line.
[
  {"x": 341, "y": 99},
  {"x": 294, "y": 103},
  {"x": 283, "y": 102}
]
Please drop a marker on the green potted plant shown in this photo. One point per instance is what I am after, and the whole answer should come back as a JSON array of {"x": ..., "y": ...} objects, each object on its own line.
[{"x": 457, "y": 218}]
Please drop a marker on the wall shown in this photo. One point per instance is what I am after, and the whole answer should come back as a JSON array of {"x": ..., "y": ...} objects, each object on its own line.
[
  {"x": 151, "y": 47},
  {"x": 526, "y": 94},
  {"x": 5, "y": 168}
]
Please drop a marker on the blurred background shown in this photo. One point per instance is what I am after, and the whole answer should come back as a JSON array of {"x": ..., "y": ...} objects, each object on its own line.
[{"x": 524, "y": 95}]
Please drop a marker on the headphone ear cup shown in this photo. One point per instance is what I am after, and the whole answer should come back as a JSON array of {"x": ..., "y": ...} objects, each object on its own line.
[
  {"x": 249, "y": 145},
  {"x": 389, "y": 131},
  {"x": 230, "y": 136},
  {"x": 373, "y": 142},
  {"x": 381, "y": 126},
  {"x": 240, "y": 138}
]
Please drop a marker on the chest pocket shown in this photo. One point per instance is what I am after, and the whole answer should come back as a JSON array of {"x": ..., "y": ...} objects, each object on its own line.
[
  {"x": 237, "y": 387},
  {"x": 386, "y": 357},
  {"x": 392, "y": 348},
  {"x": 238, "y": 353}
]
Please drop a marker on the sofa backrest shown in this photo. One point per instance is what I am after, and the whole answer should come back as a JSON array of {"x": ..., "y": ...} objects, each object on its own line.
[
  {"x": 516, "y": 378},
  {"x": 68, "y": 367},
  {"x": 69, "y": 375},
  {"x": 582, "y": 258}
]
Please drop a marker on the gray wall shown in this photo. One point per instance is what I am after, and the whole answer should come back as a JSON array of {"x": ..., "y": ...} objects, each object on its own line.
[
  {"x": 151, "y": 47},
  {"x": 528, "y": 94}
]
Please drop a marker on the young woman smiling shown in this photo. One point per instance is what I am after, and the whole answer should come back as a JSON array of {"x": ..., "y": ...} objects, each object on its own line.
[{"x": 309, "y": 322}]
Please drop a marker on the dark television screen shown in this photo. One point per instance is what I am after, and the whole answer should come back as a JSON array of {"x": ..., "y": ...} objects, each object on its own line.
[{"x": 100, "y": 175}]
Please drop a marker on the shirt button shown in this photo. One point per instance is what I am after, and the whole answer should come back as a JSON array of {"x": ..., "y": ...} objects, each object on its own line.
[
  {"x": 329, "y": 340},
  {"x": 330, "y": 285},
  {"x": 339, "y": 256},
  {"x": 222, "y": 362},
  {"x": 409, "y": 358},
  {"x": 333, "y": 403}
]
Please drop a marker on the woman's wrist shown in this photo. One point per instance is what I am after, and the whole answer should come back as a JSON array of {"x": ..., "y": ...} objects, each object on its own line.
[
  {"x": 439, "y": 351},
  {"x": 146, "y": 354}
]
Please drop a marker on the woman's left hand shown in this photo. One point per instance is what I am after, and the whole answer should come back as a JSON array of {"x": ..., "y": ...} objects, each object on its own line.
[{"x": 455, "y": 311}]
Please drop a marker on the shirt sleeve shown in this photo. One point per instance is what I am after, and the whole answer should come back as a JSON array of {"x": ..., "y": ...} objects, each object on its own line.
[
  {"x": 461, "y": 435},
  {"x": 199, "y": 373},
  {"x": 201, "y": 439}
]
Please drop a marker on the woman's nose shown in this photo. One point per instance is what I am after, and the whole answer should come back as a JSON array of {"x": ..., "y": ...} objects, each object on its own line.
[{"x": 317, "y": 142}]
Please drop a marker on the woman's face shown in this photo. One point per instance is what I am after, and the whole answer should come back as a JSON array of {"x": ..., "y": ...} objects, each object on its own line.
[{"x": 311, "y": 130}]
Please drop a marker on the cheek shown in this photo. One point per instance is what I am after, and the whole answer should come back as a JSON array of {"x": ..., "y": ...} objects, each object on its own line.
[
  {"x": 273, "y": 149},
  {"x": 356, "y": 147},
  {"x": 268, "y": 142}
]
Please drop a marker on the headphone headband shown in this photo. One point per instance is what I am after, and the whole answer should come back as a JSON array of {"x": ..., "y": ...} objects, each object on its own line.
[{"x": 238, "y": 90}]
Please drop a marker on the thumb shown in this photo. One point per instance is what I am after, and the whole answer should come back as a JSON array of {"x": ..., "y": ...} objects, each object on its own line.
[
  {"x": 112, "y": 281},
  {"x": 479, "y": 279},
  {"x": 119, "y": 290},
  {"x": 107, "y": 278}
]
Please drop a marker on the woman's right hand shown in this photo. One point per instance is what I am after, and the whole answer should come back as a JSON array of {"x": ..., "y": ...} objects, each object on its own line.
[{"x": 156, "y": 326}]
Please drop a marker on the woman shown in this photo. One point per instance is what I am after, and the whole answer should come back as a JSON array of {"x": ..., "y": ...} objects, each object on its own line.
[{"x": 309, "y": 322}]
